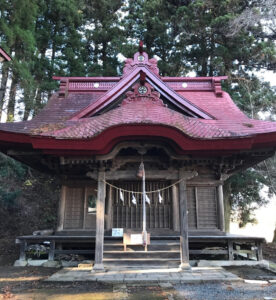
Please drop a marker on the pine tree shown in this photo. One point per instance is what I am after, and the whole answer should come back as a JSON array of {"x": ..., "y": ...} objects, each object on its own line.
[
  {"x": 103, "y": 36},
  {"x": 17, "y": 29}
]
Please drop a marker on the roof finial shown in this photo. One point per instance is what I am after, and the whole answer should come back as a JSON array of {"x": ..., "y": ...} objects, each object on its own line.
[
  {"x": 142, "y": 78},
  {"x": 141, "y": 47}
]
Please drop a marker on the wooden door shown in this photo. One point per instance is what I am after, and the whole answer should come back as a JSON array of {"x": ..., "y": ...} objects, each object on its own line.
[
  {"x": 74, "y": 202},
  {"x": 129, "y": 215}
]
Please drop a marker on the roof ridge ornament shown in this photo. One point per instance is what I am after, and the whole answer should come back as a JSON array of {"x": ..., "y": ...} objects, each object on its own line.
[
  {"x": 141, "y": 58},
  {"x": 143, "y": 93},
  {"x": 141, "y": 44}
]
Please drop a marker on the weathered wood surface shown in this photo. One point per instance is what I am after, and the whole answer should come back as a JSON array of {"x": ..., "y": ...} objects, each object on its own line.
[
  {"x": 195, "y": 238},
  {"x": 51, "y": 254},
  {"x": 194, "y": 241},
  {"x": 184, "y": 246},
  {"x": 129, "y": 215},
  {"x": 89, "y": 218},
  {"x": 100, "y": 222},
  {"x": 74, "y": 204},
  {"x": 61, "y": 209},
  {"x": 230, "y": 250},
  {"x": 109, "y": 222},
  {"x": 175, "y": 202},
  {"x": 132, "y": 175},
  {"x": 221, "y": 224}
]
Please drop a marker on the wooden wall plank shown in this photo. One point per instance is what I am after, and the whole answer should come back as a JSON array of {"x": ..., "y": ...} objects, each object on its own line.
[
  {"x": 74, "y": 203},
  {"x": 207, "y": 208},
  {"x": 192, "y": 216}
]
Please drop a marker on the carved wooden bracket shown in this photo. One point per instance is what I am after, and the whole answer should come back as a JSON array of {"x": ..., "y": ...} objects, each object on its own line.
[{"x": 143, "y": 93}]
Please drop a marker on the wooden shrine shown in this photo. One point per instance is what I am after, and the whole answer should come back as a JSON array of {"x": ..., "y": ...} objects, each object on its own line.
[{"x": 95, "y": 131}]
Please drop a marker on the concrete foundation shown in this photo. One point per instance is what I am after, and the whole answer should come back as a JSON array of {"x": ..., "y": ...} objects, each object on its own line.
[
  {"x": 20, "y": 263},
  {"x": 229, "y": 263}
]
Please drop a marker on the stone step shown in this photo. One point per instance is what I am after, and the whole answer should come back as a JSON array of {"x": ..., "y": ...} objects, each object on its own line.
[
  {"x": 142, "y": 254},
  {"x": 171, "y": 246},
  {"x": 156, "y": 239},
  {"x": 142, "y": 263}
]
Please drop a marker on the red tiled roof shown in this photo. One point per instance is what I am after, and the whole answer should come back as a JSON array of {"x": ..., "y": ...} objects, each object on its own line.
[
  {"x": 71, "y": 113},
  {"x": 220, "y": 107},
  {"x": 140, "y": 112},
  {"x": 57, "y": 110},
  {"x": 147, "y": 112}
]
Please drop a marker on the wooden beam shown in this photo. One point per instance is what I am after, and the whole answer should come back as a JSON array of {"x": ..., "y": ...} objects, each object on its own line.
[
  {"x": 22, "y": 153},
  {"x": 132, "y": 175},
  {"x": 98, "y": 266},
  {"x": 141, "y": 145}
]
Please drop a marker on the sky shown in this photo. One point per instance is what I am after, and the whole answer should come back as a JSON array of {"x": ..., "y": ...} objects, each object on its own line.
[{"x": 266, "y": 218}]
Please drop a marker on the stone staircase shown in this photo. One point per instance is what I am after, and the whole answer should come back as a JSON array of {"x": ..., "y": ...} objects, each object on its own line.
[{"x": 162, "y": 253}]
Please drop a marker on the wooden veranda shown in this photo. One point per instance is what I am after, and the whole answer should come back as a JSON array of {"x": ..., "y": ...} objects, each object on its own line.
[{"x": 216, "y": 247}]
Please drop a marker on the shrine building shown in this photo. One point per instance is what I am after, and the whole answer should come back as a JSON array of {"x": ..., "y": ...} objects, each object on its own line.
[{"x": 95, "y": 133}]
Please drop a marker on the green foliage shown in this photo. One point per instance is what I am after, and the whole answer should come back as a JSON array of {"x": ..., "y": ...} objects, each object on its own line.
[
  {"x": 10, "y": 170},
  {"x": 8, "y": 199},
  {"x": 244, "y": 195}
]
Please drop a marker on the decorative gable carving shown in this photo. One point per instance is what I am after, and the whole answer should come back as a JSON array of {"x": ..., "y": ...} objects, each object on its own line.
[
  {"x": 143, "y": 93},
  {"x": 141, "y": 59}
]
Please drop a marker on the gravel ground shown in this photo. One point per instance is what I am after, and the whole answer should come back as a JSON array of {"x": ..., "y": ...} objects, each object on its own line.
[
  {"x": 28, "y": 284},
  {"x": 222, "y": 291}
]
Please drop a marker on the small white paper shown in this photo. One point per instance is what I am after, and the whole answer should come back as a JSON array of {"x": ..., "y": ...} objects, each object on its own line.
[
  {"x": 136, "y": 239},
  {"x": 117, "y": 231}
]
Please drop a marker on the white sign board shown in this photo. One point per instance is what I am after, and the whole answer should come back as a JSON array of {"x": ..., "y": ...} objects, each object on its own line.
[
  {"x": 117, "y": 231},
  {"x": 136, "y": 239}
]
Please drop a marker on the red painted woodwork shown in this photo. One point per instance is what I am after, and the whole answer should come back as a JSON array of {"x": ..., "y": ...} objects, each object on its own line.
[
  {"x": 4, "y": 54},
  {"x": 80, "y": 119}
]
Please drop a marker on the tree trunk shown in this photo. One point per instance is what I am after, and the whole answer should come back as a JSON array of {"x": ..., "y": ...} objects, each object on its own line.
[
  {"x": 12, "y": 100},
  {"x": 274, "y": 237},
  {"x": 104, "y": 57},
  {"x": 38, "y": 102},
  {"x": 5, "y": 73},
  {"x": 28, "y": 100}
]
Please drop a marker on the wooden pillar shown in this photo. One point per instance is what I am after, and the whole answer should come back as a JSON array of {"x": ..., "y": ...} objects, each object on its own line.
[
  {"x": 109, "y": 210},
  {"x": 98, "y": 265},
  {"x": 51, "y": 255},
  {"x": 61, "y": 209},
  {"x": 184, "y": 242},
  {"x": 230, "y": 250},
  {"x": 23, "y": 247},
  {"x": 221, "y": 224},
  {"x": 175, "y": 203},
  {"x": 259, "y": 251}
]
